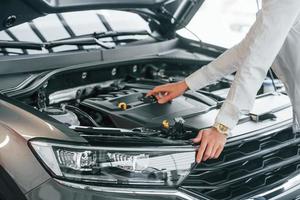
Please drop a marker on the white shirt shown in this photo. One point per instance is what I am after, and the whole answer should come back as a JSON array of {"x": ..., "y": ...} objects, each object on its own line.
[{"x": 274, "y": 39}]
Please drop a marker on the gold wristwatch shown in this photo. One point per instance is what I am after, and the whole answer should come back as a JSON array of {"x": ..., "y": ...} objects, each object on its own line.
[{"x": 221, "y": 128}]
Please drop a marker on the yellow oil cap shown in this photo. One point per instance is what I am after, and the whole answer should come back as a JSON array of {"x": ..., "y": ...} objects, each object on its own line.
[
  {"x": 122, "y": 105},
  {"x": 166, "y": 124}
]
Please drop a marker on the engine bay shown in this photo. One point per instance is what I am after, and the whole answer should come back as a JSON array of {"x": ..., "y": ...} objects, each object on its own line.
[{"x": 115, "y": 97}]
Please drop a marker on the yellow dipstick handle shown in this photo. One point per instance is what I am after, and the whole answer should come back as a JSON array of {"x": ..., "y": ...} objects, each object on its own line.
[
  {"x": 122, "y": 105},
  {"x": 166, "y": 124}
]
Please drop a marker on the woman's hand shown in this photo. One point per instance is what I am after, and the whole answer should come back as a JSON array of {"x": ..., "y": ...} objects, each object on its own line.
[
  {"x": 211, "y": 142},
  {"x": 167, "y": 92}
]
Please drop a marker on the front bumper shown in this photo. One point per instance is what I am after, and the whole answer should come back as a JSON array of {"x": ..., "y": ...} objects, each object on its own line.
[{"x": 60, "y": 190}]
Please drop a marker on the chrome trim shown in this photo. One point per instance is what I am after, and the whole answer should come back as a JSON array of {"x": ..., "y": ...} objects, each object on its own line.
[
  {"x": 181, "y": 149},
  {"x": 139, "y": 191},
  {"x": 279, "y": 192},
  {"x": 262, "y": 132},
  {"x": 101, "y": 128}
]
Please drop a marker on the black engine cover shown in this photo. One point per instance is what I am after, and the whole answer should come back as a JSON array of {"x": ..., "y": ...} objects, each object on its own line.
[{"x": 130, "y": 109}]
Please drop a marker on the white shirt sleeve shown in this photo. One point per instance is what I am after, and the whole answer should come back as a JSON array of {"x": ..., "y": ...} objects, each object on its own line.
[
  {"x": 252, "y": 58},
  {"x": 224, "y": 65}
]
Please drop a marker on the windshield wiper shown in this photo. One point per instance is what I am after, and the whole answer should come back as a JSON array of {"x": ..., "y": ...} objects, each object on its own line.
[
  {"x": 116, "y": 34},
  {"x": 87, "y": 39},
  {"x": 77, "y": 41},
  {"x": 21, "y": 45},
  {"x": 91, "y": 39}
]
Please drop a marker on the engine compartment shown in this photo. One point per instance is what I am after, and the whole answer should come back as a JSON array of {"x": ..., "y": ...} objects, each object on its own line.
[{"x": 114, "y": 97}]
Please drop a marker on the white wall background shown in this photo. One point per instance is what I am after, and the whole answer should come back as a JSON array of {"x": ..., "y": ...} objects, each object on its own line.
[{"x": 223, "y": 22}]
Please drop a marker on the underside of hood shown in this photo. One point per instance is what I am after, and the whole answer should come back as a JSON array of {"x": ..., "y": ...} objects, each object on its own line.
[{"x": 165, "y": 16}]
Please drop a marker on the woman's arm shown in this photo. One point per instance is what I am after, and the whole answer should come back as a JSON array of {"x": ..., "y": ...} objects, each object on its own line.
[
  {"x": 258, "y": 51},
  {"x": 224, "y": 65}
]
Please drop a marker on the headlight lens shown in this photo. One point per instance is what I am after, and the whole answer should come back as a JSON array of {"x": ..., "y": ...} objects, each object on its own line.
[{"x": 165, "y": 166}]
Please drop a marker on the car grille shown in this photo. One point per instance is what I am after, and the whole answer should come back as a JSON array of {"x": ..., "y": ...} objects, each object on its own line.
[{"x": 247, "y": 167}]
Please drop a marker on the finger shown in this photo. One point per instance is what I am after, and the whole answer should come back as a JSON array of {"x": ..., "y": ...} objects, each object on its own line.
[
  {"x": 157, "y": 96},
  {"x": 201, "y": 151},
  {"x": 151, "y": 92},
  {"x": 208, "y": 151},
  {"x": 155, "y": 91},
  {"x": 213, "y": 152},
  {"x": 198, "y": 138},
  {"x": 160, "y": 95},
  {"x": 159, "y": 89},
  {"x": 166, "y": 98},
  {"x": 219, "y": 151}
]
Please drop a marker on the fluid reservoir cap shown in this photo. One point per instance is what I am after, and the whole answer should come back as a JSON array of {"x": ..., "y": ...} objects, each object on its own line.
[
  {"x": 166, "y": 124},
  {"x": 122, "y": 105}
]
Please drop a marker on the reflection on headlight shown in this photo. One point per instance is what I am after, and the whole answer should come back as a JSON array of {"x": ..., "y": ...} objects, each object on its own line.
[{"x": 137, "y": 162}]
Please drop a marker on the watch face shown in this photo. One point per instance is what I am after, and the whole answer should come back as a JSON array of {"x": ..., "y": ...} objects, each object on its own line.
[{"x": 223, "y": 128}]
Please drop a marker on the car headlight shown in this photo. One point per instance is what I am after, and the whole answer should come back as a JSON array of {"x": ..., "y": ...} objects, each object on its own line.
[{"x": 163, "y": 166}]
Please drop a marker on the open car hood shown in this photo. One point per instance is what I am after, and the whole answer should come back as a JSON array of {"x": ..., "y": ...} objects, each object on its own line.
[{"x": 165, "y": 16}]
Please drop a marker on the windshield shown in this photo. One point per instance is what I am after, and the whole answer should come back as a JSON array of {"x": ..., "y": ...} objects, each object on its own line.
[{"x": 67, "y": 25}]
